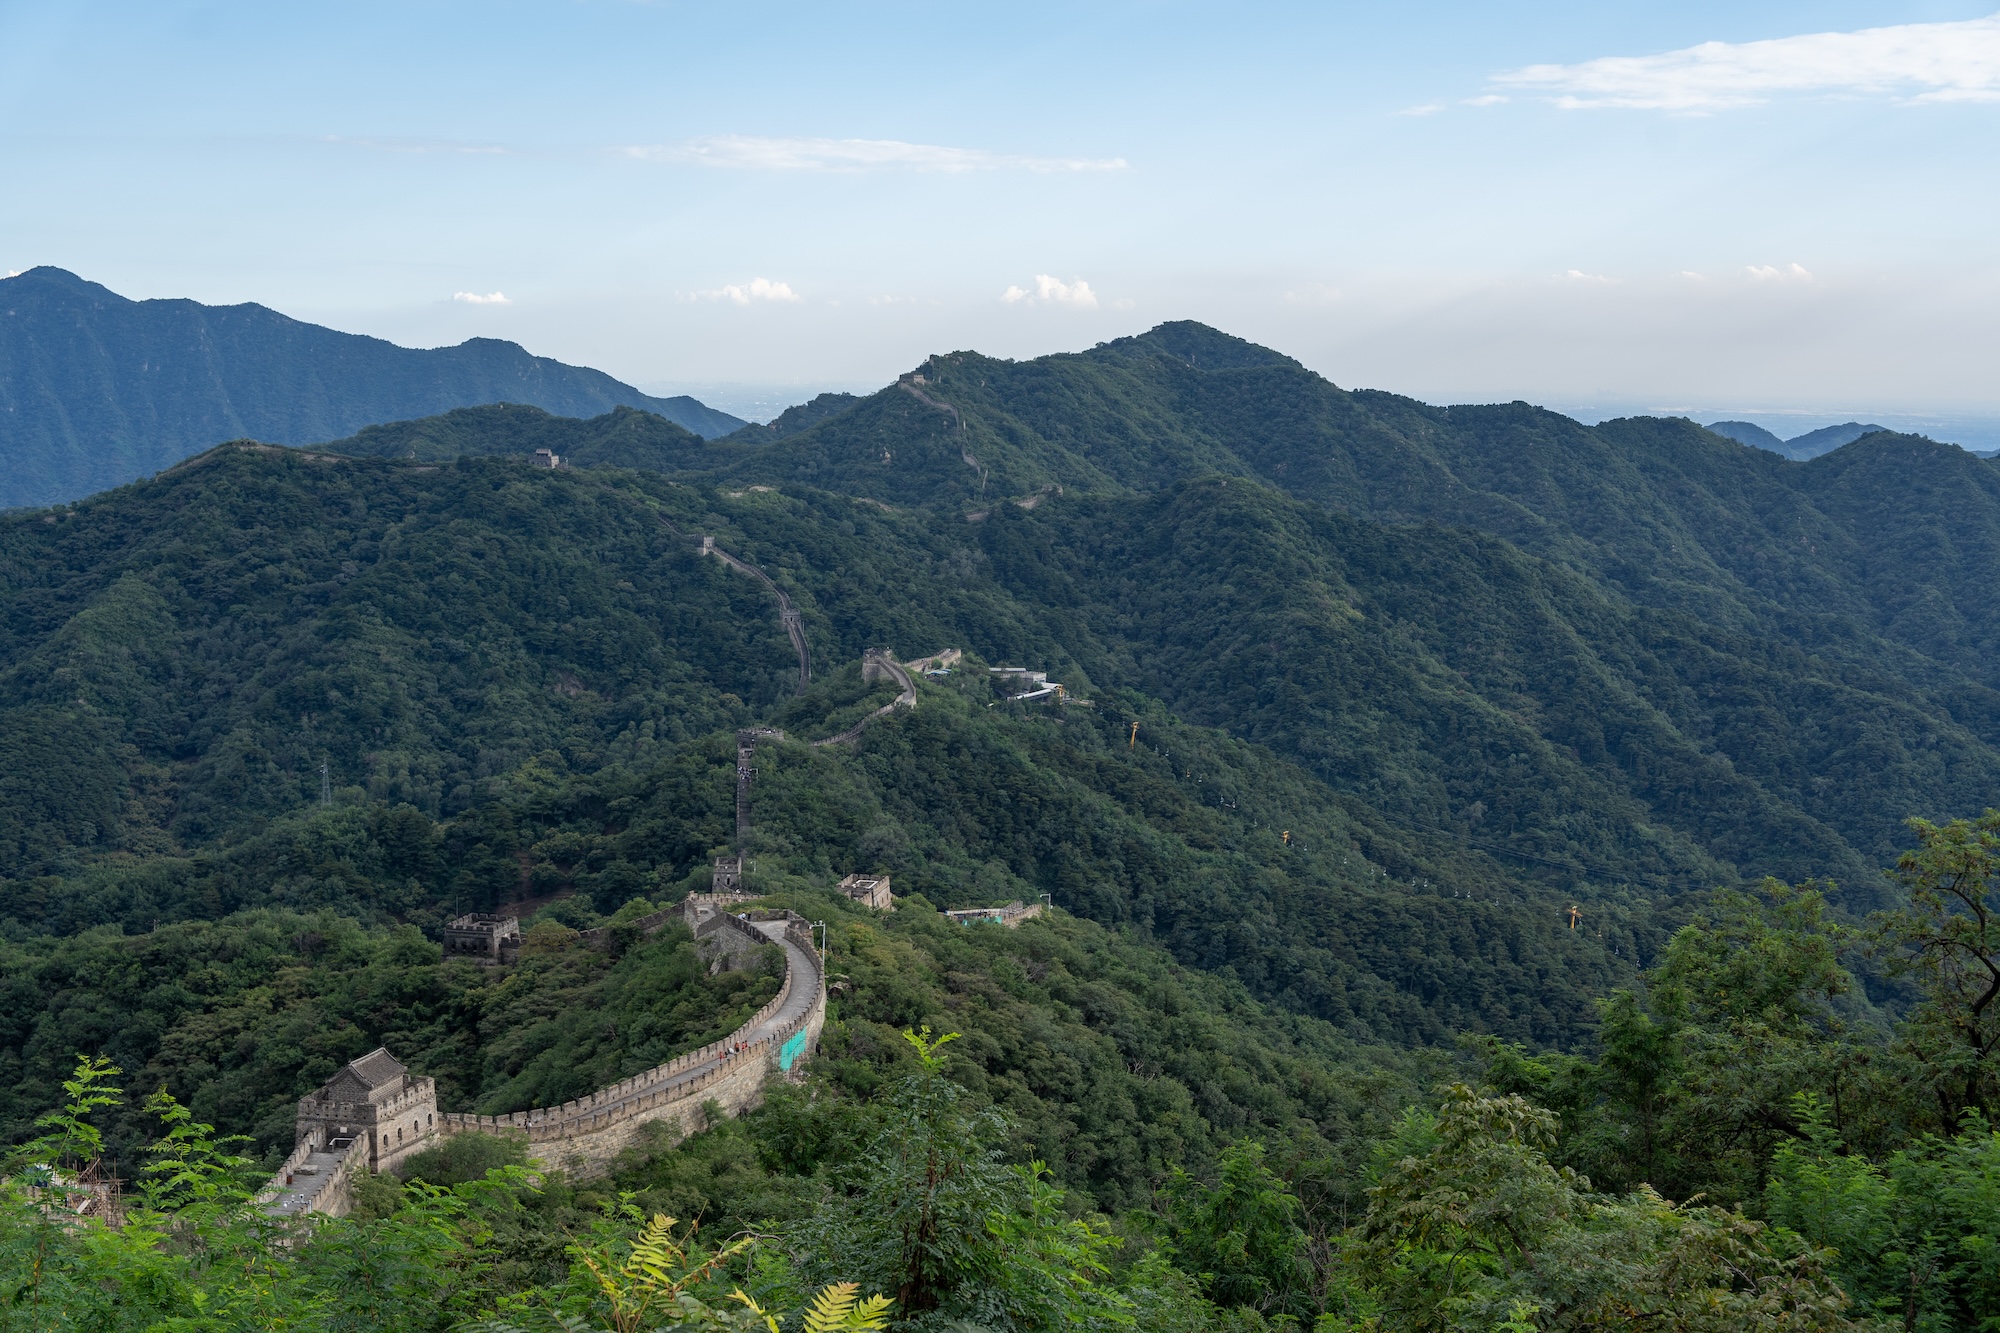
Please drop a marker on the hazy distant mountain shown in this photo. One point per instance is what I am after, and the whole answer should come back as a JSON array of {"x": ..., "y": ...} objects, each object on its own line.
[
  {"x": 1800, "y": 447},
  {"x": 796, "y": 418},
  {"x": 1750, "y": 433},
  {"x": 96, "y": 390},
  {"x": 1826, "y": 439}
]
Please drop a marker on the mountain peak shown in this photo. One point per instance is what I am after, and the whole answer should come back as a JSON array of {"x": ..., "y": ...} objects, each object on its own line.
[
  {"x": 1200, "y": 346},
  {"x": 48, "y": 277}
]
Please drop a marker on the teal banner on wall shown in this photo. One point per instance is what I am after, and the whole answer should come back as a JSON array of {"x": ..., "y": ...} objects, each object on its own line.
[{"x": 791, "y": 1051}]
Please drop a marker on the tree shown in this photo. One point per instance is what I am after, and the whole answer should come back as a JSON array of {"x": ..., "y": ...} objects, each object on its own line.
[
  {"x": 1241, "y": 1237},
  {"x": 1915, "y": 1238},
  {"x": 930, "y": 1211},
  {"x": 1482, "y": 1231},
  {"x": 1749, "y": 1001},
  {"x": 1948, "y": 938}
]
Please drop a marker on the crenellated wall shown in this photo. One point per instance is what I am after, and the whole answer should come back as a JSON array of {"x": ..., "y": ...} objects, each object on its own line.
[
  {"x": 586, "y": 1134},
  {"x": 305, "y": 1185}
]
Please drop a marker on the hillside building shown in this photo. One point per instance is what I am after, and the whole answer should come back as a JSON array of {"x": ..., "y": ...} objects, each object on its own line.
[{"x": 1010, "y": 916}]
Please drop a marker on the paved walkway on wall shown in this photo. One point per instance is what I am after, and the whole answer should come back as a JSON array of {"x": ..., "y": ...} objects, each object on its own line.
[
  {"x": 803, "y": 968},
  {"x": 308, "y": 1179},
  {"x": 788, "y": 615},
  {"x": 958, "y": 419}
]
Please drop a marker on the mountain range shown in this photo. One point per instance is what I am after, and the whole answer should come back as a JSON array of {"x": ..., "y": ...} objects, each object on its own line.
[
  {"x": 1800, "y": 447},
  {"x": 1398, "y": 747},
  {"x": 1482, "y": 663},
  {"x": 96, "y": 390}
]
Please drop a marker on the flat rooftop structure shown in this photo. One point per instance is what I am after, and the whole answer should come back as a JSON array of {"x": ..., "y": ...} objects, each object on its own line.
[{"x": 482, "y": 935}]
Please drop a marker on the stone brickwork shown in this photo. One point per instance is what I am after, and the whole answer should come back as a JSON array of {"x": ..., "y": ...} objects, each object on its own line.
[
  {"x": 484, "y": 937},
  {"x": 376, "y": 1101}
]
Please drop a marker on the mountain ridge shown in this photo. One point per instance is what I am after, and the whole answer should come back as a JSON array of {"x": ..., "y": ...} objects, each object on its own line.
[
  {"x": 1799, "y": 448},
  {"x": 96, "y": 389}
]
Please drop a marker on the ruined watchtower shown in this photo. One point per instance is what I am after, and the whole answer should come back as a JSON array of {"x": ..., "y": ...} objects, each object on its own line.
[
  {"x": 869, "y": 891},
  {"x": 376, "y": 1098},
  {"x": 484, "y": 937}
]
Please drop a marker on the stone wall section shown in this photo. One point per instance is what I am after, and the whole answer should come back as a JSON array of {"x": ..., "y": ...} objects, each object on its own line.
[
  {"x": 303, "y": 1185},
  {"x": 587, "y": 1133}
]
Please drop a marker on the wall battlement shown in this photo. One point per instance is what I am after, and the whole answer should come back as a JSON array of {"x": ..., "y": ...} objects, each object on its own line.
[{"x": 354, "y": 1122}]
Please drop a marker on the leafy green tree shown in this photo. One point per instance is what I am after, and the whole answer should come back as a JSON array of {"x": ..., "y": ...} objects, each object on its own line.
[
  {"x": 1915, "y": 1238},
  {"x": 1240, "y": 1237},
  {"x": 931, "y": 1212},
  {"x": 1947, "y": 936},
  {"x": 1483, "y": 1231}
]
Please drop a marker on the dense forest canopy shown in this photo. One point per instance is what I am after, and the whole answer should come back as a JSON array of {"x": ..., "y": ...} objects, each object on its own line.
[{"x": 1418, "y": 817}]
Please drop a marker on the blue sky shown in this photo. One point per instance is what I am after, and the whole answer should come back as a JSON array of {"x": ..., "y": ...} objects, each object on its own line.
[{"x": 1577, "y": 204}]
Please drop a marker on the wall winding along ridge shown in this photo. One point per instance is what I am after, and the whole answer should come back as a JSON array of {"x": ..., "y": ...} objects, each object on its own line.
[{"x": 587, "y": 1133}]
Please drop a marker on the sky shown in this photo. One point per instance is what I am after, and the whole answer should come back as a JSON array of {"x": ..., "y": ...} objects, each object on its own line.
[{"x": 1777, "y": 211}]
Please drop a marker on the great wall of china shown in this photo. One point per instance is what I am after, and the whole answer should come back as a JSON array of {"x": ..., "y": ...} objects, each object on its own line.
[{"x": 374, "y": 1114}]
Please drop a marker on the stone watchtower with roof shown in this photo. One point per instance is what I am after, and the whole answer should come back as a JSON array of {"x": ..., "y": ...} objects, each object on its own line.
[{"x": 376, "y": 1098}]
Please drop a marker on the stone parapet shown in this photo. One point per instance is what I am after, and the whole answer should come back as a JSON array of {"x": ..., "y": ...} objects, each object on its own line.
[{"x": 588, "y": 1132}]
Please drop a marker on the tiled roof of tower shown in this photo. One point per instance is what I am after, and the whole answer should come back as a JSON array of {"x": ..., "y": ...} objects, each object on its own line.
[{"x": 378, "y": 1067}]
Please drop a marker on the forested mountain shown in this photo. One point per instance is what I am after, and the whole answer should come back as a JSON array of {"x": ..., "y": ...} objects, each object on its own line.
[
  {"x": 1400, "y": 744},
  {"x": 795, "y": 419},
  {"x": 96, "y": 389},
  {"x": 1800, "y": 447},
  {"x": 1750, "y": 433}
]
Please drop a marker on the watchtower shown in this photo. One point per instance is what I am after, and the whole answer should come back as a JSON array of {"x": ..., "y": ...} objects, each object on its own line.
[
  {"x": 377, "y": 1098},
  {"x": 483, "y": 936},
  {"x": 869, "y": 891}
]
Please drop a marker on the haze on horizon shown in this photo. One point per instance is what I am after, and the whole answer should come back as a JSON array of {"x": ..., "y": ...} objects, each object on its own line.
[{"x": 1776, "y": 207}]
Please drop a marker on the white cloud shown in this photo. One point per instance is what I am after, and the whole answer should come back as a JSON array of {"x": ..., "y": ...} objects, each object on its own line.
[
  {"x": 1053, "y": 291},
  {"x": 1578, "y": 275},
  {"x": 1691, "y": 275},
  {"x": 743, "y": 293},
  {"x": 474, "y": 298},
  {"x": 1427, "y": 109},
  {"x": 798, "y": 153},
  {"x": 1772, "y": 273},
  {"x": 1926, "y": 62},
  {"x": 1487, "y": 99}
]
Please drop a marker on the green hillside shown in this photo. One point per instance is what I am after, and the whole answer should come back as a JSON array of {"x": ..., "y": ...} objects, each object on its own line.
[{"x": 1665, "y": 512}]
